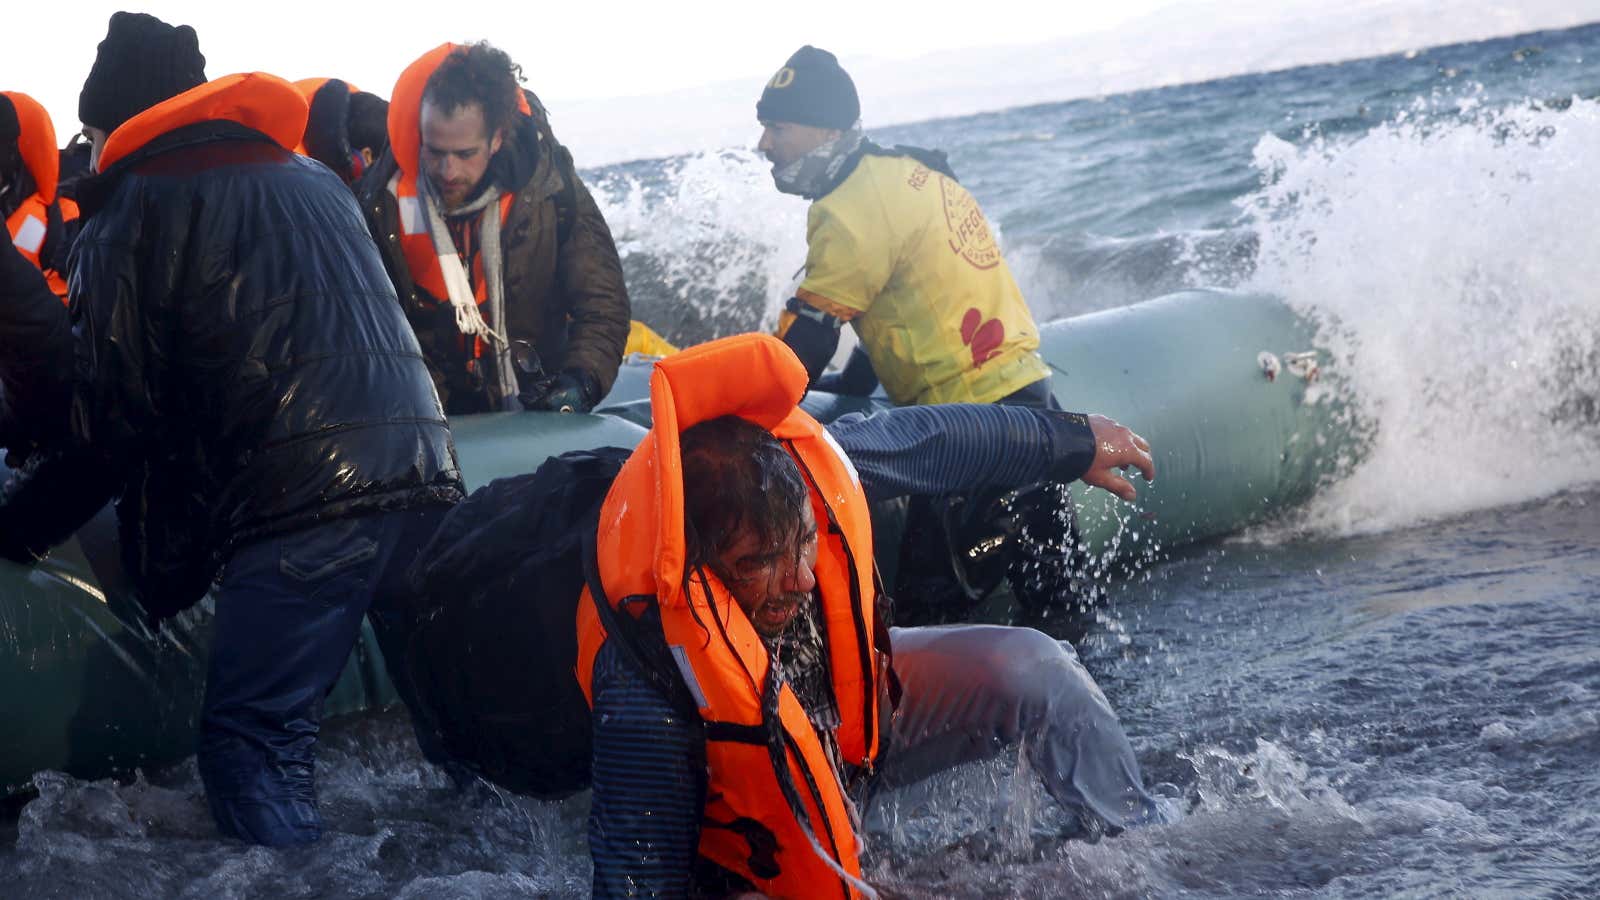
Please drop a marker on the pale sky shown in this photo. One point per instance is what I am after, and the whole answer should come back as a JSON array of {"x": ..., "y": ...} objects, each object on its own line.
[
  {"x": 569, "y": 51},
  {"x": 631, "y": 79}
]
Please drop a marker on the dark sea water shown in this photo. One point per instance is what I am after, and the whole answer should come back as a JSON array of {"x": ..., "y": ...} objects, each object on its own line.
[{"x": 1395, "y": 691}]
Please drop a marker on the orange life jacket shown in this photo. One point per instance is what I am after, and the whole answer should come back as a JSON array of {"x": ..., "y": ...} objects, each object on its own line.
[
  {"x": 405, "y": 140},
  {"x": 30, "y": 222},
  {"x": 256, "y": 100},
  {"x": 640, "y": 552}
]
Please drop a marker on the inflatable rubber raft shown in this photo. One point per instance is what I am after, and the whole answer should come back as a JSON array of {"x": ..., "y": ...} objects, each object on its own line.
[{"x": 1225, "y": 386}]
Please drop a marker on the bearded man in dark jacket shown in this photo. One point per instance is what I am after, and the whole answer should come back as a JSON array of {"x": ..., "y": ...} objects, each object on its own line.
[
  {"x": 502, "y": 260},
  {"x": 248, "y": 391}
]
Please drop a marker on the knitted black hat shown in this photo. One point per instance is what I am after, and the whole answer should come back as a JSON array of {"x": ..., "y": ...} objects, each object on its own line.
[
  {"x": 810, "y": 89},
  {"x": 142, "y": 62}
]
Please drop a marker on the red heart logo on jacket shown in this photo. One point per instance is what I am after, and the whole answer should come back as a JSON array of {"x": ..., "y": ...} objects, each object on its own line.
[{"x": 983, "y": 337}]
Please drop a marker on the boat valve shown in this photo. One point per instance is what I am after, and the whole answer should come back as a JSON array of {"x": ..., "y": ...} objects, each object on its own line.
[
  {"x": 1269, "y": 365},
  {"x": 1303, "y": 364}
]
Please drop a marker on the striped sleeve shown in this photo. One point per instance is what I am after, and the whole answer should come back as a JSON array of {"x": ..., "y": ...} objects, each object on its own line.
[
  {"x": 961, "y": 447},
  {"x": 644, "y": 823}
]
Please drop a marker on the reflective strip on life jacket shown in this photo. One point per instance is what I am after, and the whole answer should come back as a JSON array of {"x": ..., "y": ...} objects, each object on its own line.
[
  {"x": 29, "y": 229},
  {"x": 769, "y": 777}
]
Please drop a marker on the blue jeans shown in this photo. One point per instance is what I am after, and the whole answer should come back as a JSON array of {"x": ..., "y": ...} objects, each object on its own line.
[{"x": 288, "y": 612}]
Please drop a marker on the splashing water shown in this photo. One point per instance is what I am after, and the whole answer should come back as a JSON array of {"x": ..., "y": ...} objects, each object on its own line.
[
  {"x": 708, "y": 245},
  {"x": 1450, "y": 262},
  {"x": 1394, "y": 712}
]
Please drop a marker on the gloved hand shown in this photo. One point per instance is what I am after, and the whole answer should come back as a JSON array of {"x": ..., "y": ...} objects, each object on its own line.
[{"x": 570, "y": 391}]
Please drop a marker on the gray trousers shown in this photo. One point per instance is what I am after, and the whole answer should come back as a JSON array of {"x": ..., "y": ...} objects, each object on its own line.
[{"x": 971, "y": 691}]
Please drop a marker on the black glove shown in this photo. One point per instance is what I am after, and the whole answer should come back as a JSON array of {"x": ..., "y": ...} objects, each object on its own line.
[
  {"x": 570, "y": 391},
  {"x": 813, "y": 336},
  {"x": 856, "y": 379},
  {"x": 49, "y": 498}
]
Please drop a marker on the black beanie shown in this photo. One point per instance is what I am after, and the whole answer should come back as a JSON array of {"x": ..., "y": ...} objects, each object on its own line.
[
  {"x": 142, "y": 62},
  {"x": 811, "y": 89}
]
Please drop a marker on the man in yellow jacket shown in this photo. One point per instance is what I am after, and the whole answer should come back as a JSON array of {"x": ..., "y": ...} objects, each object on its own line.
[{"x": 897, "y": 248}]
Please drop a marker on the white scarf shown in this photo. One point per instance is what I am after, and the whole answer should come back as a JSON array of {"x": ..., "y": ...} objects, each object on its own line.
[{"x": 468, "y": 319}]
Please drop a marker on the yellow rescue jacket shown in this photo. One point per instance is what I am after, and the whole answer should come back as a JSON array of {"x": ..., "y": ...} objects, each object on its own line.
[
  {"x": 764, "y": 760},
  {"x": 905, "y": 255}
]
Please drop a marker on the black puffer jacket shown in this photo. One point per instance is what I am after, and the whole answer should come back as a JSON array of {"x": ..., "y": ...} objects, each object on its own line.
[
  {"x": 242, "y": 362},
  {"x": 35, "y": 348}
]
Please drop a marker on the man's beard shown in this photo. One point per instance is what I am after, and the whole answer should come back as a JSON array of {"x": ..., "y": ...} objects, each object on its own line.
[{"x": 788, "y": 604}]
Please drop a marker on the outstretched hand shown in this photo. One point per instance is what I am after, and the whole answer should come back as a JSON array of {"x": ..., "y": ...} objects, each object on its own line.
[{"x": 1116, "y": 448}]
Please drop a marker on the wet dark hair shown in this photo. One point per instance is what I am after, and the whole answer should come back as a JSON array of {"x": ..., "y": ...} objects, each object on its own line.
[
  {"x": 477, "y": 74},
  {"x": 738, "y": 477},
  {"x": 368, "y": 122}
]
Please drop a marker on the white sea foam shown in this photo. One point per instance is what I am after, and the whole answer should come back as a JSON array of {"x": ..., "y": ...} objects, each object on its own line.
[
  {"x": 717, "y": 229},
  {"x": 1451, "y": 261}
]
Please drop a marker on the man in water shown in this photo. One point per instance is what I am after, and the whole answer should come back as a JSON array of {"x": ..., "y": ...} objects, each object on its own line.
[
  {"x": 734, "y": 646},
  {"x": 898, "y": 249},
  {"x": 247, "y": 391},
  {"x": 503, "y": 262}
]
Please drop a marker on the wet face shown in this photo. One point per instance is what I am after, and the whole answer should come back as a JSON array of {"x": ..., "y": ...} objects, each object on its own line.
[
  {"x": 456, "y": 149},
  {"x": 784, "y": 142},
  {"x": 97, "y": 143},
  {"x": 772, "y": 583}
]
